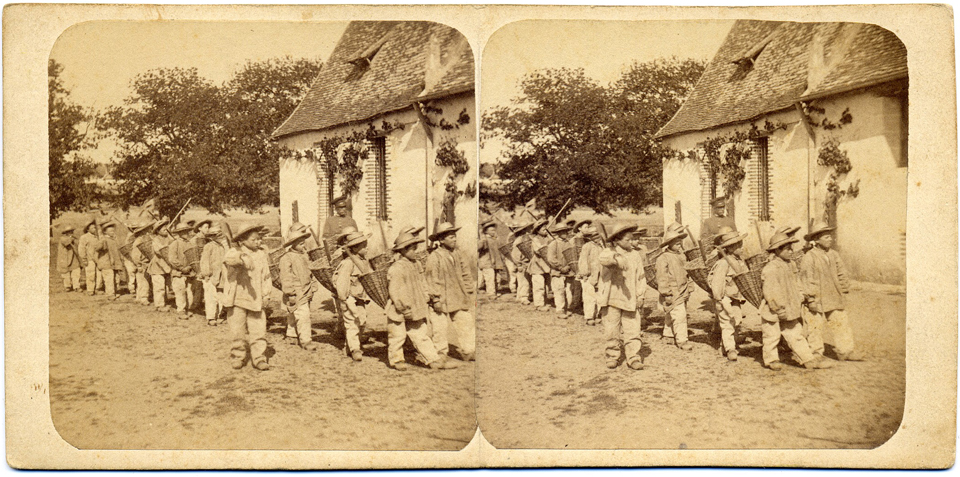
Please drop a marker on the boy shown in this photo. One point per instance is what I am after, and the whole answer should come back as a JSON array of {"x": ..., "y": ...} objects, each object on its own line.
[
  {"x": 211, "y": 275},
  {"x": 825, "y": 285},
  {"x": 181, "y": 272},
  {"x": 346, "y": 280},
  {"x": 408, "y": 293},
  {"x": 726, "y": 294},
  {"x": 781, "y": 290},
  {"x": 588, "y": 272},
  {"x": 109, "y": 261},
  {"x": 538, "y": 267},
  {"x": 247, "y": 283},
  {"x": 140, "y": 263},
  {"x": 68, "y": 262},
  {"x": 522, "y": 263},
  {"x": 559, "y": 270},
  {"x": 87, "y": 249},
  {"x": 621, "y": 284},
  {"x": 298, "y": 288},
  {"x": 491, "y": 260},
  {"x": 159, "y": 269},
  {"x": 675, "y": 288},
  {"x": 452, "y": 293}
]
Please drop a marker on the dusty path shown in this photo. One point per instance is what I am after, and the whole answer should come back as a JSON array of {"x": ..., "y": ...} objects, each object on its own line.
[
  {"x": 123, "y": 376},
  {"x": 542, "y": 384}
]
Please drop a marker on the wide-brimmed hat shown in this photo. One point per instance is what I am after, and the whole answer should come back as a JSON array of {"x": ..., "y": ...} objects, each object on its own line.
[
  {"x": 204, "y": 221},
  {"x": 246, "y": 230},
  {"x": 106, "y": 225},
  {"x": 779, "y": 240},
  {"x": 354, "y": 238},
  {"x": 87, "y": 223},
  {"x": 729, "y": 238},
  {"x": 560, "y": 228},
  {"x": 180, "y": 228},
  {"x": 676, "y": 227},
  {"x": 487, "y": 224},
  {"x": 160, "y": 224},
  {"x": 671, "y": 236},
  {"x": 591, "y": 232},
  {"x": 294, "y": 238},
  {"x": 521, "y": 228},
  {"x": 138, "y": 229},
  {"x": 214, "y": 230},
  {"x": 620, "y": 230},
  {"x": 572, "y": 223},
  {"x": 67, "y": 229},
  {"x": 538, "y": 225},
  {"x": 579, "y": 224},
  {"x": 149, "y": 203},
  {"x": 410, "y": 229},
  {"x": 404, "y": 240},
  {"x": 443, "y": 229},
  {"x": 817, "y": 229},
  {"x": 786, "y": 229},
  {"x": 640, "y": 232}
]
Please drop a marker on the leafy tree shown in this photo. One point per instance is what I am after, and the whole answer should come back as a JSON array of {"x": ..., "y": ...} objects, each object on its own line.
[
  {"x": 182, "y": 136},
  {"x": 568, "y": 137},
  {"x": 68, "y": 170}
]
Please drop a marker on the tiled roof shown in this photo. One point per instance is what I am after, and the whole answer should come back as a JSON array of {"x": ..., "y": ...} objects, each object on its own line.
[
  {"x": 348, "y": 89},
  {"x": 732, "y": 91}
]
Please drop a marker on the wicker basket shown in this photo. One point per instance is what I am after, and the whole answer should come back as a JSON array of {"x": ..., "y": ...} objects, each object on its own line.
[
  {"x": 578, "y": 242},
  {"x": 652, "y": 256},
  {"x": 696, "y": 259},
  {"x": 324, "y": 275},
  {"x": 146, "y": 248},
  {"x": 125, "y": 250},
  {"x": 318, "y": 255},
  {"x": 751, "y": 286},
  {"x": 375, "y": 284},
  {"x": 526, "y": 247},
  {"x": 650, "y": 271},
  {"x": 164, "y": 253},
  {"x": 542, "y": 252},
  {"x": 382, "y": 261},
  {"x": 274, "y": 257},
  {"x": 570, "y": 257},
  {"x": 505, "y": 249},
  {"x": 192, "y": 255},
  {"x": 699, "y": 276},
  {"x": 757, "y": 261}
]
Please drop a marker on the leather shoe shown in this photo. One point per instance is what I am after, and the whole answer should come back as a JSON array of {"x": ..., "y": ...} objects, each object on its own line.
[
  {"x": 775, "y": 366},
  {"x": 262, "y": 365},
  {"x": 311, "y": 346},
  {"x": 357, "y": 356},
  {"x": 612, "y": 364},
  {"x": 732, "y": 355},
  {"x": 401, "y": 366},
  {"x": 854, "y": 355},
  {"x": 444, "y": 364},
  {"x": 819, "y": 364},
  {"x": 636, "y": 365},
  {"x": 686, "y": 346},
  {"x": 236, "y": 363}
]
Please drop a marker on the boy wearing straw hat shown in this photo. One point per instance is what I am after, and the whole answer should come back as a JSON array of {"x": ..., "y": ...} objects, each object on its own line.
[
  {"x": 522, "y": 263},
  {"x": 159, "y": 269},
  {"x": 588, "y": 272},
  {"x": 408, "y": 294},
  {"x": 452, "y": 293},
  {"x": 675, "y": 287},
  {"x": 298, "y": 288},
  {"x": 180, "y": 271},
  {"x": 211, "y": 275},
  {"x": 346, "y": 280},
  {"x": 538, "y": 267},
  {"x": 109, "y": 261},
  {"x": 246, "y": 284},
  {"x": 620, "y": 290},
  {"x": 140, "y": 262},
  {"x": 560, "y": 277},
  {"x": 825, "y": 286},
  {"x": 782, "y": 292},
  {"x": 726, "y": 295},
  {"x": 491, "y": 263},
  {"x": 87, "y": 249},
  {"x": 68, "y": 261}
]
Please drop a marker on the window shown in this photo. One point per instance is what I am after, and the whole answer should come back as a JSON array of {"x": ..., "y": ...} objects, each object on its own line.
[
  {"x": 763, "y": 178},
  {"x": 379, "y": 151}
]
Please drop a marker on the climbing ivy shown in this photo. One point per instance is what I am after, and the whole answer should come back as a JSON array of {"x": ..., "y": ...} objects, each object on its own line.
[
  {"x": 725, "y": 155},
  {"x": 344, "y": 153}
]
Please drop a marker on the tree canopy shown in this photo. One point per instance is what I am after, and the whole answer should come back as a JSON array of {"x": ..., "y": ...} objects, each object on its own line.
[
  {"x": 568, "y": 137},
  {"x": 183, "y": 136},
  {"x": 68, "y": 125}
]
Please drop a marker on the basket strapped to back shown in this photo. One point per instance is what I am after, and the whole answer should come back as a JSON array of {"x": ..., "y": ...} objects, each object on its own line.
[
  {"x": 542, "y": 252},
  {"x": 125, "y": 250},
  {"x": 526, "y": 247},
  {"x": 146, "y": 248},
  {"x": 650, "y": 271},
  {"x": 570, "y": 257},
  {"x": 505, "y": 249},
  {"x": 323, "y": 274},
  {"x": 757, "y": 261},
  {"x": 375, "y": 284},
  {"x": 275, "y": 266},
  {"x": 751, "y": 286},
  {"x": 193, "y": 258},
  {"x": 699, "y": 276},
  {"x": 382, "y": 261},
  {"x": 163, "y": 253}
]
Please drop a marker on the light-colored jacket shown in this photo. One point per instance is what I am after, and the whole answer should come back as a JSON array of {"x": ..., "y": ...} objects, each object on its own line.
[
  {"x": 555, "y": 257},
  {"x": 824, "y": 280},
  {"x": 588, "y": 265},
  {"x": 622, "y": 285},
  {"x": 295, "y": 277},
  {"x": 67, "y": 258},
  {"x": 211, "y": 262},
  {"x": 490, "y": 256},
  {"x": 672, "y": 279},
  {"x": 538, "y": 266},
  {"x": 247, "y": 279},
  {"x": 159, "y": 266},
  {"x": 408, "y": 290},
  {"x": 87, "y": 249},
  {"x": 721, "y": 278},
  {"x": 346, "y": 279},
  {"x": 781, "y": 289},
  {"x": 108, "y": 254},
  {"x": 449, "y": 281},
  {"x": 178, "y": 260}
]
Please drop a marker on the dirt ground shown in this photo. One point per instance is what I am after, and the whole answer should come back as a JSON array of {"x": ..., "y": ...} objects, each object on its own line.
[
  {"x": 124, "y": 376},
  {"x": 542, "y": 383}
]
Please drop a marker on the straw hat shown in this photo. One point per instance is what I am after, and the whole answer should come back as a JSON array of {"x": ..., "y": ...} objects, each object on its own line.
[
  {"x": 204, "y": 221},
  {"x": 88, "y": 223},
  {"x": 487, "y": 224},
  {"x": 779, "y": 240},
  {"x": 572, "y": 223},
  {"x": 354, "y": 238},
  {"x": 560, "y": 228},
  {"x": 729, "y": 238},
  {"x": 522, "y": 228},
  {"x": 676, "y": 227},
  {"x": 443, "y": 229},
  {"x": 296, "y": 238},
  {"x": 411, "y": 230},
  {"x": 247, "y": 230},
  {"x": 591, "y": 232},
  {"x": 620, "y": 230},
  {"x": 579, "y": 224},
  {"x": 640, "y": 232},
  {"x": 817, "y": 229},
  {"x": 404, "y": 240},
  {"x": 137, "y": 230},
  {"x": 671, "y": 236},
  {"x": 160, "y": 224},
  {"x": 214, "y": 230},
  {"x": 342, "y": 200},
  {"x": 538, "y": 225},
  {"x": 67, "y": 229}
]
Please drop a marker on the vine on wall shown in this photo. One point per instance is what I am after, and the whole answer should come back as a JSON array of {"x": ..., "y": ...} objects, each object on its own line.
[
  {"x": 831, "y": 156},
  {"x": 725, "y": 155},
  {"x": 344, "y": 153},
  {"x": 449, "y": 155}
]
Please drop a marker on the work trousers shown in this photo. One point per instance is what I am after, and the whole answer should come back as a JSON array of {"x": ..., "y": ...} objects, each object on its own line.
[
  {"x": 143, "y": 288},
  {"x": 589, "y": 294},
  {"x": 419, "y": 333},
  {"x": 792, "y": 332},
  {"x": 109, "y": 282},
  {"x": 523, "y": 287},
  {"x": 464, "y": 327},
  {"x": 179, "y": 285},
  {"x": 211, "y": 302},
  {"x": 298, "y": 323},
  {"x": 511, "y": 275},
  {"x": 539, "y": 289},
  {"x": 730, "y": 315},
  {"x": 71, "y": 280},
  {"x": 94, "y": 277},
  {"x": 813, "y": 326},
  {"x": 248, "y": 329},
  {"x": 354, "y": 319},
  {"x": 488, "y": 277},
  {"x": 839, "y": 325},
  {"x": 131, "y": 269},
  {"x": 562, "y": 292},
  {"x": 621, "y": 329},
  {"x": 159, "y": 290},
  {"x": 675, "y": 323}
]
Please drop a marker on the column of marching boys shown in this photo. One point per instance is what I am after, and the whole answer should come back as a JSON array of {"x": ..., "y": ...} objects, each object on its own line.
[
  {"x": 799, "y": 290},
  {"x": 227, "y": 278}
]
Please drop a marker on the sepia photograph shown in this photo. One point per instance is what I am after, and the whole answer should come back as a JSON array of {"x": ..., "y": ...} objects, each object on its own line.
[
  {"x": 696, "y": 227},
  {"x": 259, "y": 235}
]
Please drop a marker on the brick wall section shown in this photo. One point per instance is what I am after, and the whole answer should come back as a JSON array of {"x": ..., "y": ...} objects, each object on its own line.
[{"x": 323, "y": 191}]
